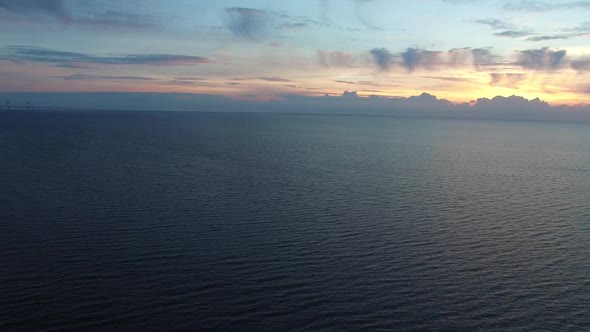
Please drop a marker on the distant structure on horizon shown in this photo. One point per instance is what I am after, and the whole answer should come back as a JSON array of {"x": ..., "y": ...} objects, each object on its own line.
[{"x": 28, "y": 107}]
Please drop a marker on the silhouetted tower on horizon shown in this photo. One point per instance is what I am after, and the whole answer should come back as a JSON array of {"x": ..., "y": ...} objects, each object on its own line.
[{"x": 28, "y": 105}]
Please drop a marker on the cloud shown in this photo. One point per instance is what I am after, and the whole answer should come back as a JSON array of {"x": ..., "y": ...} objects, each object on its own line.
[
  {"x": 428, "y": 99},
  {"x": 580, "y": 31},
  {"x": 495, "y": 23},
  {"x": 541, "y": 59},
  {"x": 461, "y": 1},
  {"x": 582, "y": 64},
  {"x": 360, "y": 17},
  {"x": 424, "y": 105},
  {"x": 549, "y": 37},
  {"x": 506, "y": 80},
  {"x": 510, "y": 103},
  {"x": 46, "y": 12},
  {"x": 52, "y": 8},
  {"x": 458, "y": 57},
  {"x": 543, "y": 6},
  {"x": 274, "y": 79},
  {"x": 105, "y": 78},
  {"x": 339, "y": 59},
  {"x": 482, "y": 57},
  {"x": 450, "y": 78},
  {"x": 414, "y": 58},
  {"x": 367, "y": 83},
  {"x": 512, "y": 33},
  {"x": 508, "y": 29},
  {"x": 190, "y": 78},
  {"x": 382, "y": 57},
  {"x": 267, "y": 79},
  {"x": 248, "y": 23},
  {"x": 350, "y": 94},
  {"x": 114, "y": 19},
  {"x": 19, "y": 53}
]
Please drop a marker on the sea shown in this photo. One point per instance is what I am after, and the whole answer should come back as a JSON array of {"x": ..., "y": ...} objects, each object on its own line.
[{"x": 284, "y": 222}]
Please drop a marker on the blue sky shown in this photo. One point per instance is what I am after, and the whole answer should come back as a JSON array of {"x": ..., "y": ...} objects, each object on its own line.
[{"x": 457, "y": 50}]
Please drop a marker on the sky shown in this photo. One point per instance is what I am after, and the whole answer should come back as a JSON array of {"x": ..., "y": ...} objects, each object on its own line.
[{"x": 461, "y": 51}]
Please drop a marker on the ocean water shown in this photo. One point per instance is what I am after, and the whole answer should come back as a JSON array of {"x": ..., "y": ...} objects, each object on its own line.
[{"x": 155, "y": 221}]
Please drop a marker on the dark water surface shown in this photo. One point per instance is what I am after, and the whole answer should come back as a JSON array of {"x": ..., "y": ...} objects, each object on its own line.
[{"x": 154, "y": 221}]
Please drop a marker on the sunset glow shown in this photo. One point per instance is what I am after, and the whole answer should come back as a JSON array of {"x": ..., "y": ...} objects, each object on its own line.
[{"x": 456, "y": 50}]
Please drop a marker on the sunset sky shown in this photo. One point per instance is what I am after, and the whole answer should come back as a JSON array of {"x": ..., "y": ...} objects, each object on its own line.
[{"x": 454, "y": 49}]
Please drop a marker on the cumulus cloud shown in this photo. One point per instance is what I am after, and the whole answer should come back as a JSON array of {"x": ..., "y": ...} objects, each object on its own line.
[
  {"x": 382, "y": 57},
  {"x": 428, "y": 99},
  {"x": 19, "y": 53},
  {"x": 506, "y": 80},
  {"x": 424, "y": 105},
  {"x": 511, "y": 103},
  {"x": 349, "y": 94},
  {"x": 541, "y": 59},
  {"x": 248, "y": 23},
  {"x": 53, "y": 8}
]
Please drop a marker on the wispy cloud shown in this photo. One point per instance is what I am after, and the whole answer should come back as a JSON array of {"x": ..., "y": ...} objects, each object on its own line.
[
  {"x": 507, "y": 80},
  {"x": 248, "y": 23},
  {"x": 19, "y": 53},
  {"x": 580, "y": 31},
  {"x": 543, "y": 6},
  {"x": 495, "y": 23},
  {"x": 581, "y": 64},
  {"x": 274, "y": 79},
  {"x": 507, "y": 29},
  {"x": 51, "y": 12},
  {"x": 52, "y": 8},
  {"x": 367, "y": 83},
  {"x": 264, "y": 78},
  {"x": 513, "y": 33},
  {"x": 449, "y": 78},
  {"x": 76, "y": 77},
  {"x": 258, "y": 24},
  {"x": 551, "y": 37},
  {"x": 340, "y": 59},
  {"x": 110, "y": 19},
  {"x": 358, "y": 4}
]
